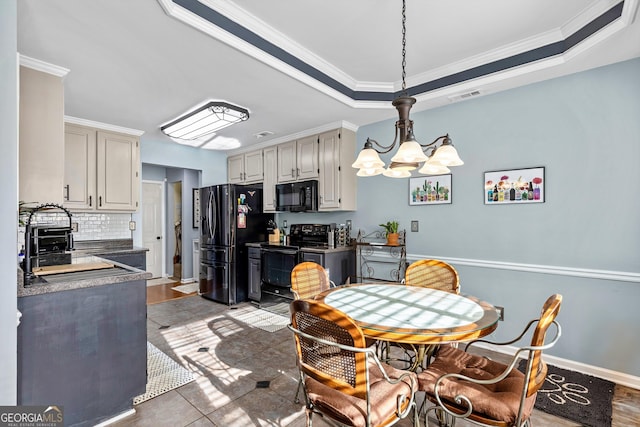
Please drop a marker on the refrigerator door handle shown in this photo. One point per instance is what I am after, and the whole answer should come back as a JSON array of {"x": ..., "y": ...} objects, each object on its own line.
[{"x": 211, "y": 215}]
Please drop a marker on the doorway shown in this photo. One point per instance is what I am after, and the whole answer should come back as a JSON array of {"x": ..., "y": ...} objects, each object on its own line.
[
  {"x": 175, "y": 214},
  {"x": 153, "y": 225}
]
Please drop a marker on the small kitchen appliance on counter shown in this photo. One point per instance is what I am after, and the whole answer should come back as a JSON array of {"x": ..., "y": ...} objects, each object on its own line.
[{"x": 46, "y": 244}]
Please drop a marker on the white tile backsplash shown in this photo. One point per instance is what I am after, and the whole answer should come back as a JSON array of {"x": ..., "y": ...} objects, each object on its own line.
[{"x": 93, "y": 225}]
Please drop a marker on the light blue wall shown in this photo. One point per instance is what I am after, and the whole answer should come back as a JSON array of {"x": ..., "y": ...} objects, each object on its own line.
[
  {"x": 213, "y": 164},
  {"x": 585, "y": 130},
  {"x": 8, "y": 209}
]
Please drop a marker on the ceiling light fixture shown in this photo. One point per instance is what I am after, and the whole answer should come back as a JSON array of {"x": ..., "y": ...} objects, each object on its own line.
[
  {"x": 410, "y": 152},
  {"x": 198, "y": 127}
]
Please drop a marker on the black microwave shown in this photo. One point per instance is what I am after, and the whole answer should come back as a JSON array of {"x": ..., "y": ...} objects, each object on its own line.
[{"x": 297, "y": 196}]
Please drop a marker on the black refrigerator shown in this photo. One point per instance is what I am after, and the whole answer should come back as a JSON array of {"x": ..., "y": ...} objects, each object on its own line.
[{"x": 231, "y": 216}]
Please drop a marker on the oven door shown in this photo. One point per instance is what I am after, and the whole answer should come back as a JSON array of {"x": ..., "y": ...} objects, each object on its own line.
[{"x": 276, "y": 267}]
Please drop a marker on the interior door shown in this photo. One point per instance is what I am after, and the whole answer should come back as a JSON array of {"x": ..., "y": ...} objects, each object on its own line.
[{"x": 152, "y": 228}]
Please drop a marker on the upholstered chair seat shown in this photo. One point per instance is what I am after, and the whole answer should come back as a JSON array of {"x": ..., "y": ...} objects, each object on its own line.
[
  {"x": 467, "y": 385},
  {"x": 499, "y": 401}
]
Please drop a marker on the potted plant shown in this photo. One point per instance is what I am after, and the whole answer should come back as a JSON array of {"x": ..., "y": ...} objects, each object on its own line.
[{"x": 391, "y": 231}]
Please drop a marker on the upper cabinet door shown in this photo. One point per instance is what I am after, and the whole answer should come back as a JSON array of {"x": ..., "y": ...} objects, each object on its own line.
[
  {"x": 118, "y": 178},
  {"x": 298, "y": 160},
  {"x": 235, "y": 169},
  {"x": 329, "y": 183},
  {"x": 79, "y": 167},
  {"x": 307, "y": 158},
  {"x": 41, "y": 134},
  {"x": 253, "y": 167},
  {"x": 337, "y": 185},
  {"x": 287, "y": 162},
  {"x": 270, "y": 179}
]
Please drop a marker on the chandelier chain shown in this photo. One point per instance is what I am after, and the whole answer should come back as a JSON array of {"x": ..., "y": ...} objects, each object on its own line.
[{"x": 404, "y": 47}]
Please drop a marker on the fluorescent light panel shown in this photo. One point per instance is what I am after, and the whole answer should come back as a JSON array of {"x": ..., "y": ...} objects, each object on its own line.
[{"x": 202, "y": 123}]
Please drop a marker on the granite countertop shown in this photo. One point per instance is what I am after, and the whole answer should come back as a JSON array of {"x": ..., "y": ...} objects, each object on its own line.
[{"x": 78, "y": 280}]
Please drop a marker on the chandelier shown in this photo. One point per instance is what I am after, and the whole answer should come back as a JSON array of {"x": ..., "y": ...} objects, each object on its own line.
[{"x": 410, "y": 152}]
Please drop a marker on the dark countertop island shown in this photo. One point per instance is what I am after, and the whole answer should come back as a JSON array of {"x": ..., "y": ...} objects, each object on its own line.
[{"x": 82, "y": 341}]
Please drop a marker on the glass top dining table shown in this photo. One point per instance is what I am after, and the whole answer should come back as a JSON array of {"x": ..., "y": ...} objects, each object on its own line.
[{"x": 412, "y": 315}]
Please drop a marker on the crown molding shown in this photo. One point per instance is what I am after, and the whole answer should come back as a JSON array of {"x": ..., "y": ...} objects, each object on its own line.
[
  {"x": 315, "y": 72},
  {"x": 45, "y": 67},
  {"x": 239, "y": 15},
  {"x": 105, "y": 126}
]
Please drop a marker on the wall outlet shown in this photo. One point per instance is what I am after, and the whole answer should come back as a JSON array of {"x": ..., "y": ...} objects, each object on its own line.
[
  {"x": 74, "y": 227},
  {"x": 500, "y": 311},
  {"x": 132, "y": 225},
  {"x": 414, "y": 226}
]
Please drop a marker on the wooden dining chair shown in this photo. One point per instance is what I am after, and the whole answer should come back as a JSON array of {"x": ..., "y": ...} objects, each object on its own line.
[
  {"x": 343, "y": 379},
  {"x": 428, "y": 273},
  {"x": 308, "y": 279},
  {"x": 486, "y": 392},
  {"x": 433, "y": 273}
]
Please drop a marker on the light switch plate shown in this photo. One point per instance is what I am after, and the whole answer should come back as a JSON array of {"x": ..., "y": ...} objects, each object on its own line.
[
  {"x": 132, "y": 225},
  {"x": 414, "y": 226}
]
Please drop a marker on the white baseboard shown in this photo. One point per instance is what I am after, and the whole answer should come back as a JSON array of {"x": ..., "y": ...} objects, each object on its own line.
[{"x": 596, "y": 371}]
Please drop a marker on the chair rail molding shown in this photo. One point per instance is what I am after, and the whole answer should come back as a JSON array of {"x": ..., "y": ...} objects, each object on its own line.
[{"x": 620, "y": 276}]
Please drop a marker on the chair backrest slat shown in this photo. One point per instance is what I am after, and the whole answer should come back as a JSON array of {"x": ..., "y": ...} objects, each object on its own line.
[
  {"x": 432, "y": 273},
  {"x": 308, "y": 279}
]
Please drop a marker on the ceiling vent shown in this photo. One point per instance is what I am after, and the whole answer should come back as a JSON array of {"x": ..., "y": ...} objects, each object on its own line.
[
  {"x": 262, "y": 134},
  {"x": 466, "y": 95}
]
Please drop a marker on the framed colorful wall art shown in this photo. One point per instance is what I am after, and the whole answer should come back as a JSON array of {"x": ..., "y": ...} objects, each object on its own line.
[
  {"x": 430, "y": 190},
  {"x": 514, "y": 186}
]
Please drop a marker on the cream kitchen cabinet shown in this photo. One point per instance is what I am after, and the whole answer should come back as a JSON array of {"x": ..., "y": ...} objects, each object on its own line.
[
  {"x": 270, "y": 156},
  {"x": 101, "y": 170},
  {"x": 337, "y": 183},
  {"x": 41, "y": 140},
  {"x": 298, "y": 160},
  {"x": 245, "y": 168},
  {"x": 79, "y": 167}
]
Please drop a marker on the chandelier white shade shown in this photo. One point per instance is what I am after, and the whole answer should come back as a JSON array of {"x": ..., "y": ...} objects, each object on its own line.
[
  {"x": 368, "y": 159},
  {"x": 409, "y": 152},
  {"x": 432, "y": 167},
  {"x": 447, "y": 155}
]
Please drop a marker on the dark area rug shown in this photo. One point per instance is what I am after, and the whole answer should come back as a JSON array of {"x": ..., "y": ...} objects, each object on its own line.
[{"x": 575, "y": 396}]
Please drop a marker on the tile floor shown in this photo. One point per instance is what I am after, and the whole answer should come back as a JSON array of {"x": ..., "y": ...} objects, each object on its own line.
[{"x": 225, "y": 392}]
